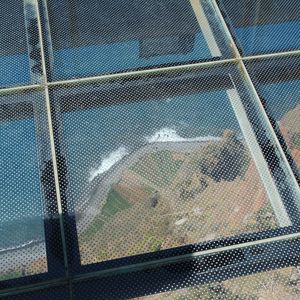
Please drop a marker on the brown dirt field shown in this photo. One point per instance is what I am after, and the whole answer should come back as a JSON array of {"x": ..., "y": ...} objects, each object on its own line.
[
  {"x": 254, "y": 198},
  {"x": 221, "y": 209},
  {"x": 38, "y": 266},
  {"x": 292, "y": 119},
  {"x": 230, "y": 204},
  {"x": 226, "y": 206},
  {"x": 296, "y": 156},
  {"x": 178, "y": 156},
  {"x": 131, "y": 188},
  {"x": 291, "y": 123},
  {"x": 285, "y": 132}
]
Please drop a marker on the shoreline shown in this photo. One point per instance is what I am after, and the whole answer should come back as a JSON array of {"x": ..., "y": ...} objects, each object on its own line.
[
  {"x": 22, "y": 256},
  {"x": 21, "y": 246},
  {"x": 101, "y": 185}
]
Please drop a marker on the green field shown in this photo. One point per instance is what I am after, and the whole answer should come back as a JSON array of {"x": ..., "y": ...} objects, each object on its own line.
[
  {"x": 113, "y": 205},
  {"x": 12, "y": 274},
  {"x": 158, "y": 168}
]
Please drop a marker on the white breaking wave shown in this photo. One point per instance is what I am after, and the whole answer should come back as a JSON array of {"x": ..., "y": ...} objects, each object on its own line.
[
  {"x": 161, "y": 136},
  {"x": 108, "y": 162},
  {"x": 27, "y": 244},
  {"x": 170, "y": 135}
]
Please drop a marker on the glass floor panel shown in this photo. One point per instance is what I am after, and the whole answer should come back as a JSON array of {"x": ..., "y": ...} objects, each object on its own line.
[
  {"x": 149, "y": 148},
  {"x": 103, "y": 37},
  {"x": 22, "y": 213},
  {"x": 264, "y": 26},
  {"x": 162, "y": 162}
]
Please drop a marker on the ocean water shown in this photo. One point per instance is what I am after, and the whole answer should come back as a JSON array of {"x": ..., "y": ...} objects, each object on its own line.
[
  {"x": 95, "y": 139},
  {"x": 21, "y": 209}
]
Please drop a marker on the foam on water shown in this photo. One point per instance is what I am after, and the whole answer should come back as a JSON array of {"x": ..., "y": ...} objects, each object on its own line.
[
  {"x": 170, "y": 135},
  {"x": 108, "y": 162},
  {"x": 161, "y": 136}
]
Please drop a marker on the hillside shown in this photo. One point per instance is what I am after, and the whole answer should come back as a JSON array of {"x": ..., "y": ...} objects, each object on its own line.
[
  {"x": 273, "y": 285},
  {"x": 290, "y": 129},
  {"x": 168, "y": 199}
]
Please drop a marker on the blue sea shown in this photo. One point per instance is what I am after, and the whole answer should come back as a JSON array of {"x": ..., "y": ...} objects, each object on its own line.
[
  {"x": 21, "y": 209},
  {"x": 94, "y": 138}
]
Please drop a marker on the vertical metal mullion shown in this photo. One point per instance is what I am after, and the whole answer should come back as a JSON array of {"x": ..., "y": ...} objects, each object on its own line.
[
  {"x": 248, "y": 80},
  {"x": 52, "y": 225},
  {"x": 53, "y": 254},
  {"x": 67, "y": 216}
]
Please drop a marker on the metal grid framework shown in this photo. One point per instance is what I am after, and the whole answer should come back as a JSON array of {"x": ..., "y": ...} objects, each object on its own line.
[{"x": 67, "y": 277}]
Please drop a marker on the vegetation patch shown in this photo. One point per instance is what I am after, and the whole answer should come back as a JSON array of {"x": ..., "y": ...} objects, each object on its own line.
[
  {"x": 114, "y": 204},
  {"x": 158, "y": 168},
  {"x": 10, "y": 275}
]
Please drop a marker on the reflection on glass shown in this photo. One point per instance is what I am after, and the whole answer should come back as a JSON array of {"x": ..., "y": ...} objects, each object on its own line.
[
  {"x": 103, "y": 36},
  {"x": 264, "y": 26},
  {"x": 273, "y": 285},
  {"x": 283, "y": 102},
  {"x": 14, "y": 66},
  {"x": 22, "y": 246},
  {"x": 156, "y": 174}
]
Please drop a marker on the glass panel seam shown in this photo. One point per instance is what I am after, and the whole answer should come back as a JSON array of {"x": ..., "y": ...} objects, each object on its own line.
[
  {"x": 51, "y": 137},
  {"x": 185, "y": 257},
  {"x": 147, "y": 72},
  {"x": 256, "y": 96}
]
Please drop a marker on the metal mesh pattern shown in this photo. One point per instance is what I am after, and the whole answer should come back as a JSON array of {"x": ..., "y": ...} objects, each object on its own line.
[
  {"x": 173, "y": 167},
  {"x": 277, "y": 284},
  {"x": 149, "y": 150},
  {"x": 209, "y": 277},
  {"x": 264, "y": 26},
  {"x": 27, "y": 203},
  {"x": 106, "y": 36},
  {"x": 22, "y": 202},
  {"x": 14, "y": 67}
]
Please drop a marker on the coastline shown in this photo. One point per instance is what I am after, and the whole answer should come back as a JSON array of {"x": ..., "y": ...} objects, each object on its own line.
[
  {"x": 101, "y": 185},
  {"x": 22, "y": 246},
  {"x": 23, "y": 256}
]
